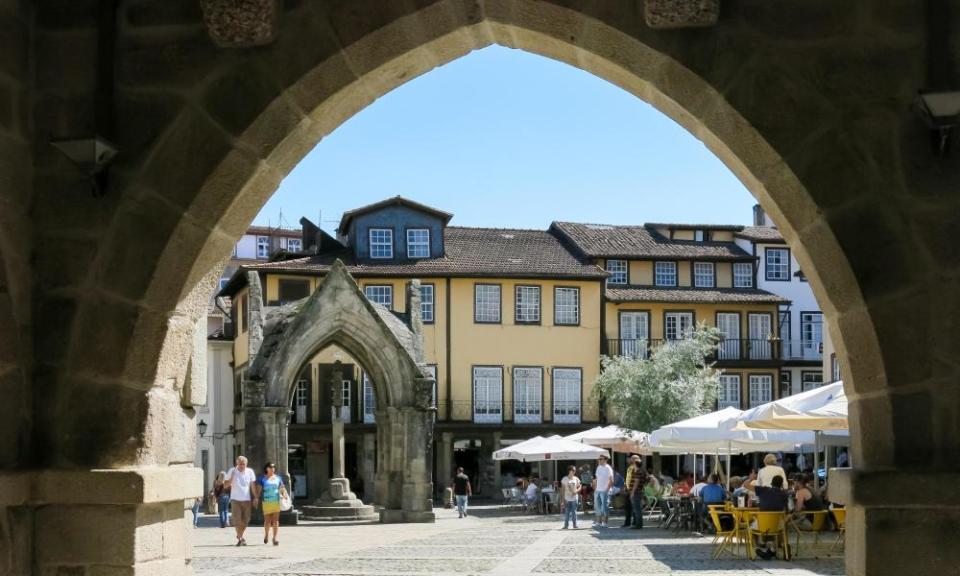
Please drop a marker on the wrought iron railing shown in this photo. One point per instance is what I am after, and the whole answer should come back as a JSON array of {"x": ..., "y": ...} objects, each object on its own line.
[
  {"x": 522, "y": 412},
  {"x": 728, "y": 349},
  {"x": 801, "y": 350}
]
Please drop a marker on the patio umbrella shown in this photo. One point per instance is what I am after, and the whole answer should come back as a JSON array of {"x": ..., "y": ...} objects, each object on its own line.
[
  {"x": 615, "y": 438},
  {"x": 540, "y": 449}
]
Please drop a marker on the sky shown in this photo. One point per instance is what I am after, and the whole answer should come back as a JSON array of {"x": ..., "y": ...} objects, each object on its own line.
[{"x": 503, "y": 138}]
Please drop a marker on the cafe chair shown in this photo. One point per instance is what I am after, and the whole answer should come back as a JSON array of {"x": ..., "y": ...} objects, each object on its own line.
[
  {"x": 763, "y": 524},
  {"x": 840, "y": 519},
  {"x": 725, "y": 531},
  {"x": 818, "y": 520}
]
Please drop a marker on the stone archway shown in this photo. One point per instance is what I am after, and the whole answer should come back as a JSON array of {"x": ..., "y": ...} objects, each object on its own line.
[{"x": 390, "y": 350}]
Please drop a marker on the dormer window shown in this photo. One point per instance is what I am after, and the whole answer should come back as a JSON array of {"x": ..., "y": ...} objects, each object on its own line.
[
  {"x": 381, "y": 243},
  {"x": 418, "y": 243},
  {"x": 699, "y": 235}
]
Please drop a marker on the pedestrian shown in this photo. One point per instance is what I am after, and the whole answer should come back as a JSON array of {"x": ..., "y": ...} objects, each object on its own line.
[
  {"x": 271, "y": 489},
  {"x": 241, "y": 479},
  {"x": 627, "y": 483},
  {"x": 222, "y": 494},
  {"x": 462, "y": 492},
  {"x": 602, "y": 483},
  {"x": 196, "y": 511},
  {"x": 570, "y": 486},
  {"x": 638, "y": 481}
]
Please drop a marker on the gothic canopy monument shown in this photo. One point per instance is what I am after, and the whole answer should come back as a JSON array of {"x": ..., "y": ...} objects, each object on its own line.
[{"x": 389, "y": 348}]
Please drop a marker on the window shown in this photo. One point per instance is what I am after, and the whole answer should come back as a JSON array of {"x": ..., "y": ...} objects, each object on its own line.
[
  {"x": 703, "y": 274},
  {"x": 381, "y": 243},
  {"x": 300, "y": 400},
  {"x": 347, "y": 396},
  {"x": 486, "y": 303},
  {"x": 729, "y": 346},
  {"x": 742, "y": 275},
  {"x": 380, "y": 294},
  {"x": 778, "y": 264},
  {"x": 223, "y": 284},
  {"x": 665, "y": 274},
  {"x": 699, "y": 235},
  {"x": 761, "y": 389},
  {"x": 263, "y": 247},
  {"x": 761, "y": 348},
  {"x": 835, "y": 367},
  {"x": 426, "y": 303},
  {"x": 488, "y": 394},
  {"x": 634, "y": 334},
  {"x": 729, "y": 392},
  {"x": 677, "y": 325},
  {"x": 566, "y": 395},
  {"x": 418, "y": 243},
  {"x": 566, "y": 306},
  {"x": 527, "y": 395},
  {"x": 528, "y": 305},
  {"x": 292, "y": 290},
  {"x": 294, "y": 244},
  {"x": 811, "y": 334},
  {"x": 369, "y": 400},
  {"x": 811, "y": 380},
  {"x": 618, "y": 272},
  {"x": 785, "y": 384}
]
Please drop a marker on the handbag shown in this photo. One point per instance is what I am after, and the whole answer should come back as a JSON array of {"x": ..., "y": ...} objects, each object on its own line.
[{"x": 286, "y": 504}]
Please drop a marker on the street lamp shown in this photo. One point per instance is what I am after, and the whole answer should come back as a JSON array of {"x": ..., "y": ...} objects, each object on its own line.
[{"x": 202, "y": 427}]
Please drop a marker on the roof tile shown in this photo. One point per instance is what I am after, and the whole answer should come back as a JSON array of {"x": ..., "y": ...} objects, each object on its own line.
[{"x": 606, "y": 241}]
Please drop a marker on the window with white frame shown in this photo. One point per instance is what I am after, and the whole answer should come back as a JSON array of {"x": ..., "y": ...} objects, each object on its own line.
[
  {"x": 778, "y": 264},
  {"x": 699, "y": 235},
  {"x": 566, "y": 395},
  {"x": 294, "y": 244},
  {"x": 527, "y": 395},
  {"x": 729, "y": 392},
  {"x": 811, "y": 380},
  {"x": 835, "y": 367},
  {"x": 426, "y": 303},
  {"x": 703, "y": 274},
  {"x": 618, "y": 272},
  {"x": 263, "y": 247},
  {"x": 300, "y": 399},
  {"x": 811, "y": 334},
  {"x": 677, "y": 325},
  {"x": 381, "y": 243},
  {"x": 742, "y": 275},
  {"x": 761, "y": 389},
  {"x": 566, "y": 306},
  {"x": 527, "y": 305},
  {"x": 488, "y": 394},
  {"x": 486, "y": 303},
  {"x": 418, "y": 243},
  {"x": 369, "y": 400},
  {"x": 380, "y": 294},
  {"x": 347, "y": 396},
  {"x": 665, "y": 273}
]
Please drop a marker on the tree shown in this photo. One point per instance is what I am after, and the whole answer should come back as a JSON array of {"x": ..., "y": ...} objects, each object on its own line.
[{"x": 675, "y": 383}]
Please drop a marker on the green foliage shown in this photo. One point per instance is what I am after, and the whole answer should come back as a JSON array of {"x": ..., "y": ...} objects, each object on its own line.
[{"x": 675, "y": 383}]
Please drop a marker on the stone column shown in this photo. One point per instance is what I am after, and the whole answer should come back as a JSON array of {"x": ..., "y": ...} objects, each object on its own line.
[
  {"x": 369, "y": 466},
  {"x": 497, "y": 480},
  {"x": 445, "y": 460},
  {"x": 336, "y": 430},
  {"x": 99, "y": 521}
]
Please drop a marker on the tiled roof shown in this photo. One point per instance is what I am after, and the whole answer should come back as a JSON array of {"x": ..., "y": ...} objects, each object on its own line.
[
  {"x": 693, "y": 295},
  {"x": 268, "y": 231},
  {"x": 605, "y": 241},
  {"x": 469, "y": 252},
  {"x": 396, "y": 200},
  {"x": 677, "y": 226},
  {"x": 760, "y": 234}
]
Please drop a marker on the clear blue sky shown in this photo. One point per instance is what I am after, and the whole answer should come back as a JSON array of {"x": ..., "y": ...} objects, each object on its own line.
[{"x": 505, "y": 138}]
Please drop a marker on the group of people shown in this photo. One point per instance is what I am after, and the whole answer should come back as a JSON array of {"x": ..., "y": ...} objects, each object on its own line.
[{"x": 239, "y": 491}]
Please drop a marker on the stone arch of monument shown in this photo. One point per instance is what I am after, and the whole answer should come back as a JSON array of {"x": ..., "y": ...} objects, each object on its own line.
[{"x": 389, "y": 348}]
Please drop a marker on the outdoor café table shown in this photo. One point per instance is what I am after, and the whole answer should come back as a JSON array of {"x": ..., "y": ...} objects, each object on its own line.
[{"x": 673, "y": 515}]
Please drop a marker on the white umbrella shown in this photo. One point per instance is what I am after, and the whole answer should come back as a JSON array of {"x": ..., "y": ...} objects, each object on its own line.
[
  {"x": 823, "y": 408},
  {"x": 614, "y": 438},
  {"x": 539, "y": 449}
]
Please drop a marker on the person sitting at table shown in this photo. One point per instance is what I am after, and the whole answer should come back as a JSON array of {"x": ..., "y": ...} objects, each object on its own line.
[
  {"x": 530, "y": 495},
  {"x": 750, "y": 482},
  {"x": 769, "y": 471},
  {"x": 806, "y": 501},
  {"x": 695, "y": 491},
  {"x": 771, "y": 498},
  {"x": 682, "y": 487},
  {"x": 652, "y": 488},
  {"x": 713, "y": 492}
]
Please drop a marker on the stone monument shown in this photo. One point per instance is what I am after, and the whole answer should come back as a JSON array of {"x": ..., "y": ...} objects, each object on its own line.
[{"x": 338, "y": 502}]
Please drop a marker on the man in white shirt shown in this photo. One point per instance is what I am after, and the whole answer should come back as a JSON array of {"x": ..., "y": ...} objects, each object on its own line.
[
  {"x": 602, "y": 483},
  {"x": 241, "y": 480},
  {"x": 769, "y": 470}
]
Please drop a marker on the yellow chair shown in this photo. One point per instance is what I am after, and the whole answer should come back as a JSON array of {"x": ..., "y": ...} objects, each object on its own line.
[
  {"x": 818, "y": 519},
  {"x": 768, "y": 524},
  {"x": 724, "y": 535},
  {"x": 840, "y": 517}
]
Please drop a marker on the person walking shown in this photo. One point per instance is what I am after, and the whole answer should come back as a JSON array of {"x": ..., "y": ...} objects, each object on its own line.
[
  {"x": 241, "y": 479},
  {"x": 462, "y": 492},
  {"x": 637, "y": 482},
  {"x": 627, "y": 483},
  {"x": 222, "y": 495},
  {"x": 271, "y": 489},
  {"x": 602, "y": 483},
  {"x": 570, "y": 486}
]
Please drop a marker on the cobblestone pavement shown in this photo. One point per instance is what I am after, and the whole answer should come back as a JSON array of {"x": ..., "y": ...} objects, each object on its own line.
[{"x": 490, "y": 542}]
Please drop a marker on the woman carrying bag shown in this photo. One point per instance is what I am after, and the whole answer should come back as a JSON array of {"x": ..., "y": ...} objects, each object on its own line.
[{"x": 274, "y": 498}]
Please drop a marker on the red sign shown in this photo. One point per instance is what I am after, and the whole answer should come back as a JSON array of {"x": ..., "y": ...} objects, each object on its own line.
[{"x": 546, "y": 456}]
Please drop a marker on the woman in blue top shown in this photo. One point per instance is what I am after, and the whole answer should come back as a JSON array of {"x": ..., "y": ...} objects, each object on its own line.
[{"x": 271, "y": 489}]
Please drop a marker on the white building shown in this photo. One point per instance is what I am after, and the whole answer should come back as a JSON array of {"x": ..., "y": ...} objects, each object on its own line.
[{"x": 801, "y": 321}]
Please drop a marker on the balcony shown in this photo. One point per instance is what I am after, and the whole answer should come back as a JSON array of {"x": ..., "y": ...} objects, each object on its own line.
[
  {"x": 802, "y": 350},
  {"x": 728, "y": 350},
  {"x": 524, "y": 412}
]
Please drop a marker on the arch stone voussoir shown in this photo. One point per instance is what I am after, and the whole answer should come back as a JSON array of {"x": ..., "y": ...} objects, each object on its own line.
[{"x": 385, "y": 344}]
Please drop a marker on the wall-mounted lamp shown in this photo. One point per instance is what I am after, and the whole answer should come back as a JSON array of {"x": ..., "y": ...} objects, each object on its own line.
[
  {"x": 941, "y": 111},
  {"x": 92, "y": 156},
  {"x": 202, "y": 428}
]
